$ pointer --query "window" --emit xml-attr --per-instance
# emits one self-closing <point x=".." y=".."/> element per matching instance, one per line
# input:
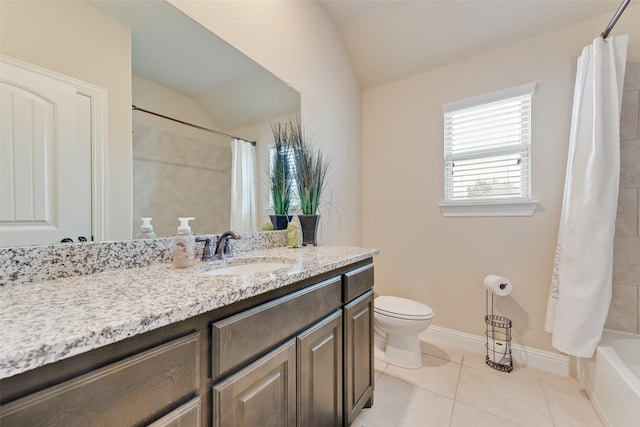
<point x="487" y="143"/>
<point x="295" y="197"/>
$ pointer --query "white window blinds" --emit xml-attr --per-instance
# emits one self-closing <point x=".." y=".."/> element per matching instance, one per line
<point x="295" y="197"/>
<point x="487" y="147"/>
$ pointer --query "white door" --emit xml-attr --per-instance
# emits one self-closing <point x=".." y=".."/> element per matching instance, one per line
<point x="45" y="159"/>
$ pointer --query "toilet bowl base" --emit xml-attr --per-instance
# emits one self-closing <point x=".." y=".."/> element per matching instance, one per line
<point x="403" y="351"/>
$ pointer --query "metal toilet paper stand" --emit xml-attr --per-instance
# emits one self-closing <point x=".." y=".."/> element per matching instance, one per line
<point x="498" y="337"/>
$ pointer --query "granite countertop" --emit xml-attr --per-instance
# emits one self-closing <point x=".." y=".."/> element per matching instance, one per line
<point x="47" y="321"/>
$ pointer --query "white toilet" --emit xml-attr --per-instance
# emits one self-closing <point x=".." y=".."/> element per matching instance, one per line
<point x="398" y="321"/>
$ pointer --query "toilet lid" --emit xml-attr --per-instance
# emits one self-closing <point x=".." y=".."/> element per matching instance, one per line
<point x="402" y="308"/>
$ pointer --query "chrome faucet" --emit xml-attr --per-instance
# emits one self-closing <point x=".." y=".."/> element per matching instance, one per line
<point x="223" y="248"/>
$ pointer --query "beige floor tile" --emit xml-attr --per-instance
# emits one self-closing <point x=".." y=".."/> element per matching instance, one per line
<point x="398" y="404"/>
<point x="568" y="410"/>
<point x="361" y="422"/>
<point x="484" y="396"/>
<point x="518" y="401"/>
<point x="436" y="375"/>
<point x="570" y="406"/>
<point x="378" y="366"/>
<point x="560" y="384"/>
<point x="442" y="351"/>
<point x="376" y="376"/>
<point x="520" y="373"/>
<point x="466" y="416"/>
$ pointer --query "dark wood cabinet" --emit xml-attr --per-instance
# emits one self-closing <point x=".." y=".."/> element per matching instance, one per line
<point x="297" y="384"/>
<point x="188" y="415"/>
<point x="262" y="394"/>
<point x="313" y="379"/>
<point x="125" y="393"/>
<point x="238" y="338"/>
<point x="297" y="356"/>
<point x="320" y="374"/>
<point x="358" y="355"/>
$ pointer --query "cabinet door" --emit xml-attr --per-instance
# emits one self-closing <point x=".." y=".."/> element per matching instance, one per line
<point x="320" y="374"/>
<point x="188" y="415"/>
<point x="262" y="394"/>
<point x="358" y="357"/>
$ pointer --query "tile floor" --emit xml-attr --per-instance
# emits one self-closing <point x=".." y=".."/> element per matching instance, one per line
<point x="455" y="388"/>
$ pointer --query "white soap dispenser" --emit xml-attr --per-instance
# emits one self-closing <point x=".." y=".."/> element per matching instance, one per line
<point x="184" y="245"/>
<point x="146" y="229"/>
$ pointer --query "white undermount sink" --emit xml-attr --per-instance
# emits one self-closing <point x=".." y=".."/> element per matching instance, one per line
<point x="250" y="268"/>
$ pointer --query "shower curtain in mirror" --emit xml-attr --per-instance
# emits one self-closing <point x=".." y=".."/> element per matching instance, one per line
<point x="244" y="218"/>
<point x="582" y="273"/>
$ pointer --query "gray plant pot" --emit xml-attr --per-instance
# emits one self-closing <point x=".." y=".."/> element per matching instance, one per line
<point x="309" y="225"/>
<point x="280" y="222"/>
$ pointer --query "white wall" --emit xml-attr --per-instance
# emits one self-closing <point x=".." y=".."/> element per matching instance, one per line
<point x="441" y="261"/>
<point x="74" y="39"/>
<point x="160" y="99"/>
<point x="298" y="43"/>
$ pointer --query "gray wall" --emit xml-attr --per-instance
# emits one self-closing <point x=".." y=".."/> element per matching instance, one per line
<point x="624" y="313"/>
<point x="176" y="176"/>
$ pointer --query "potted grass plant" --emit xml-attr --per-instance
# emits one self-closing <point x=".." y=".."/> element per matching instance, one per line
<point x="311" y="171"/>
<point x="280" y="177"/>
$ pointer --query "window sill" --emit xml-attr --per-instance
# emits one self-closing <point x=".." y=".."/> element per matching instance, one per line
<point x="489" y="208"/>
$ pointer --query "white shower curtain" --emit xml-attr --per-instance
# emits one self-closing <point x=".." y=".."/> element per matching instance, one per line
<point x="582" y="272"/>
<point x="244" y="217"/>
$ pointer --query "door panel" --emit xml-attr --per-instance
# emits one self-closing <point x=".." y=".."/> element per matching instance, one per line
<point x="27" y="156"/>
<point x="45" y="159"/>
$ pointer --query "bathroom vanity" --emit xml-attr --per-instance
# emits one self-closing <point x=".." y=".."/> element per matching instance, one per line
<point x="293" y="346"/>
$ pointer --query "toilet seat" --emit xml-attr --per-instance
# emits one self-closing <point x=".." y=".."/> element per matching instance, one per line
<point x="402" y="308"/>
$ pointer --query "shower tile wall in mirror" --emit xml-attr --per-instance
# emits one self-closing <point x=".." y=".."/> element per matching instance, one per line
<point x="177" y="176"/>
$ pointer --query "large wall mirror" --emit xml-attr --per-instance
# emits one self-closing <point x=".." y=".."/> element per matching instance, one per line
<point x="178" y="69"/>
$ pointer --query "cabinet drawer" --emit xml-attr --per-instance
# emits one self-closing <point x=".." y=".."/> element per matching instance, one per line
<point x="188" y="415"/>
<point x="121" y="394"/>
<point x="357" y="282"/>
<point x="247" y="334"/>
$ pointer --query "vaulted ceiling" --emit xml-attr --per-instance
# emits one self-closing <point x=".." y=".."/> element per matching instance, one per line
<point x="385" y="39"/>
<point x="171" y="49"/>
<point x="392" y="39"/>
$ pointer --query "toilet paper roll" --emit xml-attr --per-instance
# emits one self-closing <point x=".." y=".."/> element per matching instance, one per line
<point x="496" y="350"/>
<point x="500" y="286"/>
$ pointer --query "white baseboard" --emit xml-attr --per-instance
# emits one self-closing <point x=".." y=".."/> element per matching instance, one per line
<point x="524" y="356"/>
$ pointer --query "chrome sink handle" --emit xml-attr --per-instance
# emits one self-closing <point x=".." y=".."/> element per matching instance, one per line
<point x="223" y="247"/>
<point x="207" y="251"/>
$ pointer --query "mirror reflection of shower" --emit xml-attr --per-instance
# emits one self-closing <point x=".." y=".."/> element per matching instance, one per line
<point x="178" y="171"/>
<point x="132" y="46"/>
